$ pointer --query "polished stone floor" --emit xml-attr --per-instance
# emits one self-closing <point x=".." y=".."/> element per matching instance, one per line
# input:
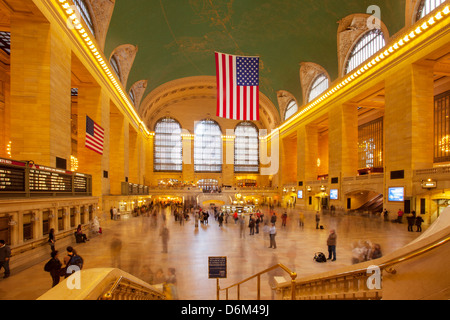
<point x="134" y="245"/>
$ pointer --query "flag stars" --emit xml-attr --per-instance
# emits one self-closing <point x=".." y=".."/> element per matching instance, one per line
<point x="247" y="71"/>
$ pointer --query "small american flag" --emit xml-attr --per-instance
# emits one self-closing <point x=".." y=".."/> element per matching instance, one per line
<point x="237" y="87"/>
<point x="94" y="136"/>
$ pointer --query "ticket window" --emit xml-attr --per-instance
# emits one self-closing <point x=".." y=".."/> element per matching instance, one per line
<point x="27" y="227"/>
<point x="60" y="220"/>
<point x="72" y="217"/>
<point x="4" y="230"/>
<point x="45" y="222"/>
<point x="82" y="215"/>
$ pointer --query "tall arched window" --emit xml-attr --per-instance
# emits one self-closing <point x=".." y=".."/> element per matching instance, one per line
<point x="368" y="45"/>
<point x="319" y="85"/>
<point x="85" y="14"/>
<point x="246" y="148"/>
<point x="207" y="147"/>
<point x="115" y="65"/>
<point x="291" y="109"/>
<point x="426" y="6"/>
<point x="168" y="146"/>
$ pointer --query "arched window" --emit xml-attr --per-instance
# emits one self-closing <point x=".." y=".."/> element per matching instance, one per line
<point x="319" y="85"/>
<point x="426" y="6"/>
<point x="246" y="148"/>
<point x="168" y="146"/>
<point x="368" y="45"/>
<point x="115" y="65"/>
<point x="85" y="14"/>
<point x="207" y="147"/>
<point x="133" y="99"/>
<point x="291" y="109"/>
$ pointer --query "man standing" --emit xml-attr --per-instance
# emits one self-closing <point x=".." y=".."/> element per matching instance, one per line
<point x="5" y="255"/>
<point x="331" y="243"/>
<point x="272" y="234"/>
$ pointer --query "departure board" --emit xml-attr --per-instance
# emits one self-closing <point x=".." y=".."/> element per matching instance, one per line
<point x="50" y="179"/>
<point x="14" y="176"/>
<point x="80" y="183"/>
<point x="12" y="179"/>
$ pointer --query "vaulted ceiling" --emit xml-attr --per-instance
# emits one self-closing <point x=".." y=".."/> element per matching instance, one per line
<point x="177" y="39"/>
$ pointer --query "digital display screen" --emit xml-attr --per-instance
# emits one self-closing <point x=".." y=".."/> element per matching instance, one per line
<point x="334" y="195"/>
<point x="396" y="194"/>
<point x="300" y="194"/>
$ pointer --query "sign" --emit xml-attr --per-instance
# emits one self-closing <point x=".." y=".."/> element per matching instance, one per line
<point x="217" y="267"/>
<point x="396" y="194"/>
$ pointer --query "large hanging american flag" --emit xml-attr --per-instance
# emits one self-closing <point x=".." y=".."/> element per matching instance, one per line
<point x="237" y="87"/>
<point x="94" y="136"/>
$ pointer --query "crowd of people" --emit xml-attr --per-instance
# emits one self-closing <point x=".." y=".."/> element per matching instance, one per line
<point x="250" y="224"/>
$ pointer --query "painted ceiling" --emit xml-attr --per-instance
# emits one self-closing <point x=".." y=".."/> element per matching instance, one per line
<point x="178" y="38"/>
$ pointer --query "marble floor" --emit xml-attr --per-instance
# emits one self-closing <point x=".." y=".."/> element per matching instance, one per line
<point x="189" y="248"/>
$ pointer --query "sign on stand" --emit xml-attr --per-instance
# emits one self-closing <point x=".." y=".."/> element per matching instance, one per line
<point x="217" y="269"/>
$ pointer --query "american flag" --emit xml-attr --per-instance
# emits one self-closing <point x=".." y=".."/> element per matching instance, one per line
<point x="237" y="87"/>
<point x="94" y="136"/>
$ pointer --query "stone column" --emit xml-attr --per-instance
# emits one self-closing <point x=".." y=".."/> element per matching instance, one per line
<point x="408" y="125"/>
<point x="40" y="92"/>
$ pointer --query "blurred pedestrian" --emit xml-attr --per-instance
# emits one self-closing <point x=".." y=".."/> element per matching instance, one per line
<point x="5" y="256"/>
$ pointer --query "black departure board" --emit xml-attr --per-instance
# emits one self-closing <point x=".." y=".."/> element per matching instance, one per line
<point x="12" y="179"/>
<point x="15" y="174"/>
<point x="12" y="175"/>
<point x="49" y="179"/>
<point x="80" y="183"/>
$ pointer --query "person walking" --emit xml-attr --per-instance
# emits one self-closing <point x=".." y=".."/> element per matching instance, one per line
<point x="419" y="222"/>
<point x="251" y="225"/>
<point x="73" y="262"/>
<point x="411" y="218"/>
<point x="317" y="219"/>
<point x="284" y="219"/>
<point x="331" y="243"/>
<point x="164" y="233"/>
<point x="52" y="239"/>
<point x="54" y="267"/>
<point x="272" y="234"/>
<point x="5" y="256"/>
<point x="301" y="219"/>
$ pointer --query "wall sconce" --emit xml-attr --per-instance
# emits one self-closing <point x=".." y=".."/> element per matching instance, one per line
<point x="308" y="188"/>
<point x="322" y="188"/>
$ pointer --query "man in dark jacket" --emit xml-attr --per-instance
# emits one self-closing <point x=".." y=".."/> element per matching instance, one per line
<point x="331" y="243"/>
<point x="5" y="256"/>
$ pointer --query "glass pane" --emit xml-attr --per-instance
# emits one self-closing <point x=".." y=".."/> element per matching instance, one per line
<point x="168" y="146"/>
<point x="246" y="148"/>
<point x="208" y="147"/>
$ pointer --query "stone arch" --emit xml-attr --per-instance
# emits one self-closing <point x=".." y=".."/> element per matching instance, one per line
<point x="125" y="55"/>
<point x="101" y="14"/>
<point x="350" y="30"/>
<point x="197" y="88"/>
<point x="308" y="73"/>
<point x="284" y="98"/>
<point x="138" y="89"/>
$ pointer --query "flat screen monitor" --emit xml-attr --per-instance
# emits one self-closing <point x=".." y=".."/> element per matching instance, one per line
<point x="300" y="194"/>
<point x="334" y="195"/>
<point x="396" y="194"/>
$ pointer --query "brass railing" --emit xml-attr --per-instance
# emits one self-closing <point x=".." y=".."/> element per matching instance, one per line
<point x="292" y="274"/>
<point x="126" y="289"/>
<point x="351" y="284"/>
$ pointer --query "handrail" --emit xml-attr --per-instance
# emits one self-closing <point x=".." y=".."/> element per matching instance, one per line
<point x="292" y="274"/>
<point x="387" y="266"/>
<point x="130" y="287"/>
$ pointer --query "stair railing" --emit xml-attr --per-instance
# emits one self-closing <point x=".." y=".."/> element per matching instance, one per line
<point x="292" y="274"/>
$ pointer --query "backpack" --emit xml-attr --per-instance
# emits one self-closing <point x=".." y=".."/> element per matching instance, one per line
<point x="76" y="260"/>
<point x="320" y="257"/>
<point x="49" y="265"/>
